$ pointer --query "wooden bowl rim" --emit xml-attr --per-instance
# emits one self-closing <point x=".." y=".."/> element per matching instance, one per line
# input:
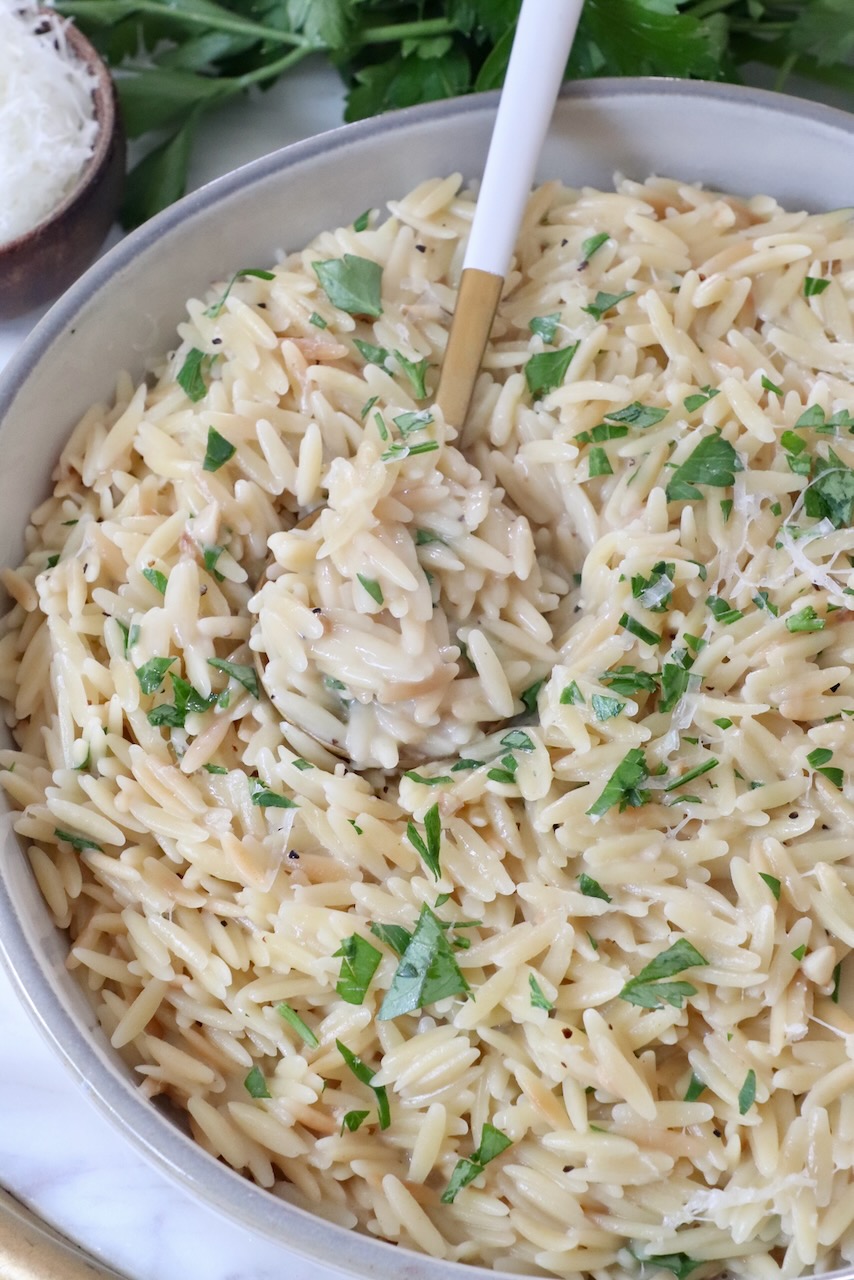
<point x="106" y="116"/>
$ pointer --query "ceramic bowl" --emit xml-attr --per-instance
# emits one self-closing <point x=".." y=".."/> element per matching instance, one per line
<point x="124" y="311"/>
<point x="39" y="265"/>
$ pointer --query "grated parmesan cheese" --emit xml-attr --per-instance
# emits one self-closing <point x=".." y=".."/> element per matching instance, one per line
<point x="47" y="117"/>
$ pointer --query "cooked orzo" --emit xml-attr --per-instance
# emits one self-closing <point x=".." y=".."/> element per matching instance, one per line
<point x="551" y="972"/>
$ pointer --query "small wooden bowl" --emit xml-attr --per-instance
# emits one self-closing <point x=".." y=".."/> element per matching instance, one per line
<point x="42" y="263"/>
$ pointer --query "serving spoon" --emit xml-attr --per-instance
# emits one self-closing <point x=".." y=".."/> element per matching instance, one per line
<point x="538" y="58"/>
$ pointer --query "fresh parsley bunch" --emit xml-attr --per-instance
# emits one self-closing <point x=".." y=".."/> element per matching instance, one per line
<point x="182" y="58"/>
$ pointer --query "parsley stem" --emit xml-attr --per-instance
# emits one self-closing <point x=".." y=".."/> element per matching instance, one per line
<point x="270" y="70"/>
<point x="407" y="31"/>
<point x="210" y="20"/>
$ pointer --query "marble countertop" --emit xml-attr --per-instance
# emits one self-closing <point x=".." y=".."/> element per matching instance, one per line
<point x="57" y="1153"/>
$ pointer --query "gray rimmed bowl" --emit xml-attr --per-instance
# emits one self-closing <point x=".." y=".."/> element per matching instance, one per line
<point x="124" y="311"/>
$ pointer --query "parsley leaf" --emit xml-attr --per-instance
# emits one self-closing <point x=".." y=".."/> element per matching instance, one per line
<point x="592" y="888"/>
<point x="697" y="401"/>
<point x="157" y="579"/>
<point x="590" y="245"/>
<point x="151" y="674"/>
<point x="352" y="284"/>
<point x="517" y="740"/>
<point x="545" y="326"/>
<point x="805" y="620"/>
<point x="435" y="781"/>
<point x="76" y="842"/>
<point x="215" y="310"/>
<point x="772" y="882"/>
<point x="238" y="671"/>
<point x="408" y="422"/>
<point x="762" y="602"/>
<point x="679" y="1263"/>
<point x="636" y="628"/>
<point x="713" y="462"/>
<point x="353" y="1120"/>
<point x="814" y="285"/>
<point x="294" y="1020"/>
<point x="372" y="587"/>
<point x="210" y="555"/>
<point x="697" y="772"/>
<point x="429" y="852"/>
<point x="771" y="386"/>
<point x="218" y="451"/>
<point x="427" y="971"/>
<point x="695" y="1088"/>
<point x="622" y="788"/>
<point x="263" y="798"/>
<point x="747" y="1093"/>
<point x="605" y="708"/>
<point x="538" y="999"/>
<point x="189" y="376"/>
<point x="256" y="1085"/>
<point x="637" y="415"/>
<point x="629" y="681"/>
<point x="416" y="372"/>
<point x="722" y="611"/>
<point x="831" y="494"/>
<point x="647" y="989"/>
<point x="528" y="697"/>
<point x="598" y="463"/>
<point x="492" y="1143"/>
<point x="650" y="591"/>
<point x="359" y="963"/>
<point x="675" y="679"/>
<point x="393" y="935"/>
<point x="372" y="354"/>
<point x="547" y="369"/>
<point x="604" y="302"/>
<point x="365" y="1075"/>
<point x="572" y="695"/>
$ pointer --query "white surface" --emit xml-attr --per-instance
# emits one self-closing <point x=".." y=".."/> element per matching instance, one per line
<point x="538" y="59"/>
<point x="57" y="1153"/>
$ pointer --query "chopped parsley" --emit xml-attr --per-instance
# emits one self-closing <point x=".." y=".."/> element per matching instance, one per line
<point x="768" y="385"/>
<point x="359" y="963"/>
<point x="545" y="326"/>
<point x="636" y="628"/>
<point x="598" y="463"/>
<point x="218" y="451"/>
<point x="726" y="509"/>
<point x="210" y="556"/>
<point x="317" y="320"/>
<point x="723" y="723"/>
<point x="372" y="354"/>
<point x="831" y="494"/>
<point x="547" y="369"/>
<point x="187" y="699"/>
<point x="650" y="592"/>
<point x="762" y="602"/>
<point x="592" y="888"/>
<point x="538" y="999"/>
<point x="800" y="952"/>
<point x="679" y="1263"/>
<point x="772" y="882"/>
<point x="676" y="678"/>
<point x="464" y="764"/>
<point x="424" y="537"/>
<point x="818" y="759"/>
<point x="352" y="284"/>
<point x="77" y="842"/>
<point x="602" y="431"/>
<point x="156" y="578"/>
<point x="528" y="697"/>
<point x="605" y="708"/>
<point x="301" y="764"/>
<point x="697" y="772"/>
<point x="393" y="935"/>
<point x="372" y="587"/>
<point x="507" y="773"/>
<point x="427" y="971"/>
<point x="238" y="671"/>
<point x="623" y="787"/>
<point x="571" y="695"/>
<point x="492" y="1143"/>
<point x="263" y="798"/>
<point x="629" y="681"/>
<point x="427" y="782"/>
<point x="814" y="285"/>
<point x="416" y="372"/>
<point x="590" y="245"/>
<point x="152" y="673"/>
<point x="604" y="302"/>
<point x="805" y="620"/>
<point x="255" y="1084"/>
<point x="837" y="976"/>
<point x="429" y="851"/>
<point x="638" y="415"/>
<point x="417" y="421"/>
<point x="215" y="309"/>
<point x="703" y="396"/>
<point x="365" y="1075"/>
<point x="714" y="462"/>
<point x="695" y="1088"/>
<point x="361" y="223"/>
<point x="190" y="377"/>
<point x="722" y="611"/>
<point x="747" y="1093"/>
<point x="517" y="740"/>
<point x="353" y="1120"/>
<point x="301" y="1028"/>
<point x="650" y="992"/>
<point x="214" y="768"/>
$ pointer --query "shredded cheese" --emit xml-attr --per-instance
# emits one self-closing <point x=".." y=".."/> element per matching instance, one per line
<point x="47" y="117"/>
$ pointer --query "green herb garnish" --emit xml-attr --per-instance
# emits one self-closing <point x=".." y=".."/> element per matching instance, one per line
<point x="416" y="372"/>
<point x="394" y="935"/>
<point x="76" y="842"/>
<point x="538" y="999"/>
<point x="492" y="1143"/>
<point x="592" y="888"/>
<point x="238" y="671"/>
<point x="190" y="377"/>
<point x="650" y="992"/>
<point x="372" y="587"/>
<point x="814" y="285"/>
<point x="294" y="1020"/>
<point x="429" y="851"/>
<point x="352" y="284"/>
<point x="603" y="302"/>
<point x="256" y="1085"/>
<point x="571" y="695"/>
<point x="747" y="1093"/>
<point x="638" y="415"/>
<point x="590" y="245"/>
<point x="156" y="578"/>
<point x="623" y="787"/>
<point x="547" y="369"/>
<point x="714" y="462"/>
<point x="545" y="326"/>
<point x="598" y="464"/>
<point x="722" y="611"/>
<point x="636" y="628"/>
<point x="151" y="674"/>
<point x="263" y="798"/>
<point x="365" y="1075"/>
<point x="697" y="772"/>
<point x="648" y="590"/>
<point x="695" y="1088"/>
<point x="604" y="708"/>
<point x="705" y="394"/>
<point x="629" y="681"/>
<point x="427" y="971"/>
<point x="805" y="620"/>
<point x="218" y="451"/>
<point x="215" y="310"/>
<point x="359" y="963"/>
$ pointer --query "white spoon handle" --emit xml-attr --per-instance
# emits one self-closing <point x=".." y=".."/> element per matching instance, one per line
<point x="538" y="60"/>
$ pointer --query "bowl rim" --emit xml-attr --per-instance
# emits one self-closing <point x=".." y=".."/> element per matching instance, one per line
<point x="106" y="116"/>
<point x="215" y="1185"/>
